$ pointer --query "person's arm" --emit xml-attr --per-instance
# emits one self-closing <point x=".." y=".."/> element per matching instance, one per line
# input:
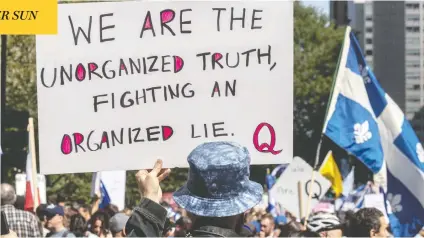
<point x="148" y="218"/>
<point x="96" y="203"/>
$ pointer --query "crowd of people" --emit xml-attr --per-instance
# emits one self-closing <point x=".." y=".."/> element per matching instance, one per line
<point x="218" y="200"/>
<point x="59" y="219"/>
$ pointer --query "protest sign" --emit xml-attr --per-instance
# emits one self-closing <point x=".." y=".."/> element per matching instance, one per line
<point x="20" y="186"/>
<point x="286" y="191"/>
<point x="115" y="183"/>
<point x="123" y="83"/>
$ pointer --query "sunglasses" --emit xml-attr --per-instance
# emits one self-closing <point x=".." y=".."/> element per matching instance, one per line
<point x="50" y="216"/>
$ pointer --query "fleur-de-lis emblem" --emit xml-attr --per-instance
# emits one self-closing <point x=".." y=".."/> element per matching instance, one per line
<point x="395" y="202"/>
<point x="364" y="73"/>
<point x="361" y="132"/>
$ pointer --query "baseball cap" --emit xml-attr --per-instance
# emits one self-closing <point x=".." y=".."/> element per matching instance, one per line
<point x="53" y="210"/>
<point x="118" y="222"/>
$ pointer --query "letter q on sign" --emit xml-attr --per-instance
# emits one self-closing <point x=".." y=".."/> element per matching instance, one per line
<point x="265" y="147"/>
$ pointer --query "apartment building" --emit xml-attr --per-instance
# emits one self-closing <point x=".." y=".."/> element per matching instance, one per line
<point x="391" y="34"/>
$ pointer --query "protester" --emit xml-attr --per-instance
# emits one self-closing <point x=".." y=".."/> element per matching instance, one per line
<point x="252" y="219"/>
<point x="99" y="224"/>
<point x="289" y="228"/>
<point x="326" y="224"/>
<point x="78" y="227"/>
<point x="267" y="226"/>
<point x="84" y="211"/>
<point x="368" y="222"/>
<point x="23" y="223"/>
<point x="69" y="212"/>
<point x="55" y="222"/>
<point x="117" y="224"/>
<point x="111" y="210"/>
<point x="61" y="200"/>
<point x="215" y="202"/>
<point x="41" y="213"/>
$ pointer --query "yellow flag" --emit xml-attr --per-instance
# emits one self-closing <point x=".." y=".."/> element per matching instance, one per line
<point x="330" y="171"/>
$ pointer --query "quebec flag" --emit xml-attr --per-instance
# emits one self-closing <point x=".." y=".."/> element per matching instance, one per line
<point x="366" y="122"/>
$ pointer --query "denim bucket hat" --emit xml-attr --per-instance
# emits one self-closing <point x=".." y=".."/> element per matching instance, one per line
<point x="218" y="184"/>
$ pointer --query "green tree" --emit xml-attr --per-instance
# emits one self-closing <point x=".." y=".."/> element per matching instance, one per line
<point x="317" y="45"/>
<point x="21" y="99"/>
<point x="21" y="92"/>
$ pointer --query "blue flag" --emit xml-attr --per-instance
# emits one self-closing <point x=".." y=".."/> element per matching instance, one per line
<point x="105" y="196"/>
<point x="367" y="123"/>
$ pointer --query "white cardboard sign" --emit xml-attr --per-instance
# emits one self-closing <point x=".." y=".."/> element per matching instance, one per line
<point x="115" y="183"/>
<point x="123" y="83"/>
<point x="285" y="190"/>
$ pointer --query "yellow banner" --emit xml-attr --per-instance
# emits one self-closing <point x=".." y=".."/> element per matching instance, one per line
<point x="28" y="17"/>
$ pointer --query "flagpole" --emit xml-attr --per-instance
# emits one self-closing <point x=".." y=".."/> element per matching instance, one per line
<point x="348" y="30"/>
<point x="308" y="203"/>
<point x="336" y="74"/>
<point x="34" y="161"/>
<point x="300" y="198"/>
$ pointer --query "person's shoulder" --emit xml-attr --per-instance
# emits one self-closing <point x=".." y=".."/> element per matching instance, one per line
<point x="27" y="214"/>
<point x="9" y="208"/>
<point x="90" y="235"/>
<point x="70" y="234"/>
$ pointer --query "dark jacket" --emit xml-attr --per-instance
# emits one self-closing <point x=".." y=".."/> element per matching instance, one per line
<point x="148" y="220"/>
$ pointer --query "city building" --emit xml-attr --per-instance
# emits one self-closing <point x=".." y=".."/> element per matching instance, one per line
<point x="391" y="34"/>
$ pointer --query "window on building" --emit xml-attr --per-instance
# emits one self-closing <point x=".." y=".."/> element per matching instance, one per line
<point x="368" y="41"/>
<point x="415" y="77"/>
<point x="412" y="73"/>
<point x="412" y="40"/>
<point x="368" y="52"/>
<point x="412" y="29"/>
<point x="412" y="100"/>
<point x="413" y="64"/>
<point x="412" y="5"/>
<point x="414" y="18"/>
<point x="368" y="18"/>
<point x="416" y="86"/>
<point x="369" y="30"/>
<point x="412" y="52"/>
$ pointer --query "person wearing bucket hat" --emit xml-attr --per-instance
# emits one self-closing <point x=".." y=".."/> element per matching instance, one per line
<point x="216" y="195"/>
